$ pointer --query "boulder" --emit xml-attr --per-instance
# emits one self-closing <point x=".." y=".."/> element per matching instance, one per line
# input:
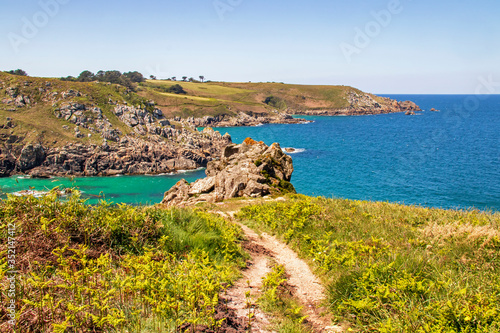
<point x="250" y="169"/>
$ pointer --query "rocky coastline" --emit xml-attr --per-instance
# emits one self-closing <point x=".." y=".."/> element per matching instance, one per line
<point x="131" y="156"/>
<point x="96" y="132"/>
<point x="362" y="104"/>
<point x="243" y="119"/>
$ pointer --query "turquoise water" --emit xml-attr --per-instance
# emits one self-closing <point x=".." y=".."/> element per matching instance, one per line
<point x="448" y="159"/>
<point x="122" y="189"/>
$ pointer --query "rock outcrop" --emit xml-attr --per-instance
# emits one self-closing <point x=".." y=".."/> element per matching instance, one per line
<point x="251" y="169"/>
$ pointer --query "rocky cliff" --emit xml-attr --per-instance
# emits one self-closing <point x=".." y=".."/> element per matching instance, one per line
<point x="251" y="169"/>
<point x="54" y="131"/>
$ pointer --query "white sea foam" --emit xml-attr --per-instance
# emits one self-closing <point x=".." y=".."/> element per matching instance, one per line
<point x="36" y="194"/>
<point x="295" y="150"/>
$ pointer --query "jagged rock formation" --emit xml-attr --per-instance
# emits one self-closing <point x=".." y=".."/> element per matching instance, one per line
<point x="251" y="169"/>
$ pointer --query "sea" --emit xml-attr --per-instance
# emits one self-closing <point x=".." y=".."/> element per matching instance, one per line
<point x="448" y="158"/>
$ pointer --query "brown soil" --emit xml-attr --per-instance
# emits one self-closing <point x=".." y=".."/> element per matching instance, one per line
<point x="231" y="324"/>
<point x="302" y="283"/>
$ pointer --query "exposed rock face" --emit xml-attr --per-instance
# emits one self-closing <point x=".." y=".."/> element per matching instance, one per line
<point x="251" y="169"/>
<point x="131" y="156"/>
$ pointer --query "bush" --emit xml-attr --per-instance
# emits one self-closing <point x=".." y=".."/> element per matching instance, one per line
<point x="275" y="102"/>
<point x="176" y="89"/>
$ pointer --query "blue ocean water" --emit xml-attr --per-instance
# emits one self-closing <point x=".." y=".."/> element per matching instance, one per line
<point x="448" y="159"/>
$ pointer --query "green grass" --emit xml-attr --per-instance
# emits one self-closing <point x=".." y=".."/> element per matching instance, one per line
<point x="395" y="268"/>
<point x="114" y="268"/>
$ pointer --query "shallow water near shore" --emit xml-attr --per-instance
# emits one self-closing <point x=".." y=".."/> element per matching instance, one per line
<point x="136" y="190"/>
<point x="448" y="159"/>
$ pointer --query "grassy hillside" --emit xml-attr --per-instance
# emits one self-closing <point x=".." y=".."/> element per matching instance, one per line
<point x="30" y="102"/>
<point x="214" y="98"/>
<point x="36" y="121"/>
<point x="394" y="268"/>
<point x="387" y="267"/>
<point x="113" y="269"/>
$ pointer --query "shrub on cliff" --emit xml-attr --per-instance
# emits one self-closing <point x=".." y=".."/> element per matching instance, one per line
<point x="275" y="102"/>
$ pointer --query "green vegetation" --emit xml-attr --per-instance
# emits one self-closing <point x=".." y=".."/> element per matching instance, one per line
<point x="277" y="300"/>
<point x="175" y="89"/>
<point x="19" y="72"/>
<point x="126" y="79"/>
<point x="115" y="269"/>
<point x="36" y="122"/>
<point x="394" y="268"/>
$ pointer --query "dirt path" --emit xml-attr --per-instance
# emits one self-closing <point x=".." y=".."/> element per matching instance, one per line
<point x="307" y="287"/>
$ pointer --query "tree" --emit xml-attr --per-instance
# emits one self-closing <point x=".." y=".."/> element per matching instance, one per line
<point x="202" y="78"/>
<point x="86" y="76"/>
<point x="112" y="76"/>
<point x="19" y="72"/>
<point x="100" y="76"/>
<point x="191" y="79"/>
<point x="174" y="78"/>
<point x="152" y="77"/>
<point x="184" y="78"/>
<point x="134" y="76"/>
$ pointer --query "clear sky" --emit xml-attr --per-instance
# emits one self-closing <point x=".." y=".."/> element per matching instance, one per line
<point x="379" y="46"/>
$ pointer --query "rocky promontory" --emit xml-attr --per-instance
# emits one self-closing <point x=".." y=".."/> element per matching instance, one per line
<point x="250" y="169"/>
<point x="360" y="104"/>
<point x="243" y="119"/>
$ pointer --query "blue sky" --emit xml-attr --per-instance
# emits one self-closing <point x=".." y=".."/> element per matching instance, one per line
<point x="413" y="47"/>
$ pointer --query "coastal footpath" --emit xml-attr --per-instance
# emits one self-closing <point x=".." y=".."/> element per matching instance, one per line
<point x="51" y="127"/>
